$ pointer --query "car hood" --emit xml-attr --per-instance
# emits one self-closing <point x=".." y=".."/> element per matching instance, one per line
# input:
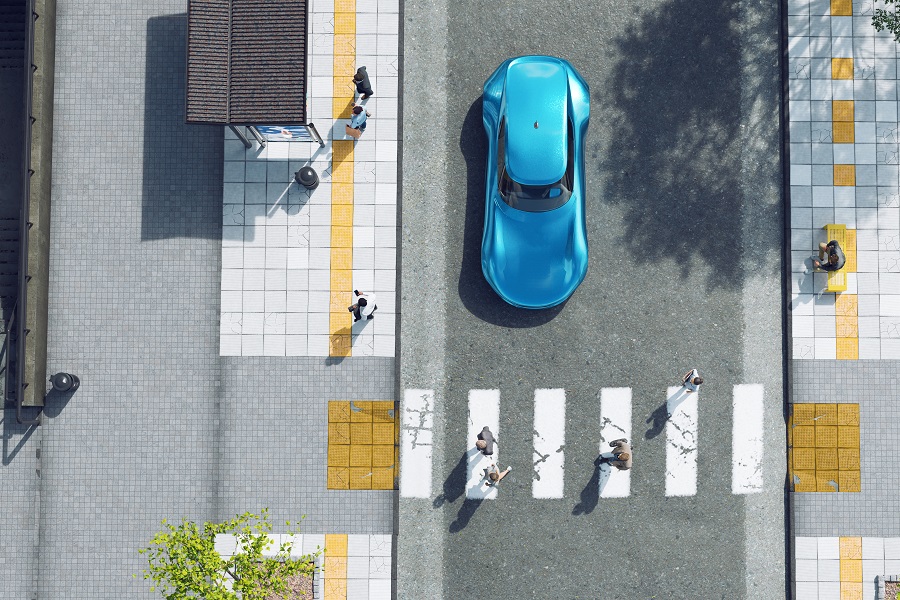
<point x="534" y="259"/>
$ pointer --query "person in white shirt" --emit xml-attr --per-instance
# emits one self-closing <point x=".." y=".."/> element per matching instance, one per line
<point x="365" y="306"/>
<point x="692" y="381"/>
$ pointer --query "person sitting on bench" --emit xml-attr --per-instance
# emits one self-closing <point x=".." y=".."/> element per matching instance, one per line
<point x="836" y="258"/>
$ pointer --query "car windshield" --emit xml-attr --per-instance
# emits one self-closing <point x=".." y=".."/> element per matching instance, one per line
<point x="534" y="198"/>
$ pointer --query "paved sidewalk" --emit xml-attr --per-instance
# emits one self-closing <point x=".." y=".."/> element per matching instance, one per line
<point x="843" y="134"/>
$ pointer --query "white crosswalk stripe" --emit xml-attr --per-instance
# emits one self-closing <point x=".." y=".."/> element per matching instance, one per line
<point x="484" y="410"/>
<point x="549" y="440"/>
<point x="416" y="443"/>
<point x="681" y="442"/>
<point x="615" y="423"/>
<point x="747" y="439"/>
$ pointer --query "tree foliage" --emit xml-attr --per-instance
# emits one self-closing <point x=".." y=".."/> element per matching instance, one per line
<point x="888" y="18"/>
<point x="184" y="563"/>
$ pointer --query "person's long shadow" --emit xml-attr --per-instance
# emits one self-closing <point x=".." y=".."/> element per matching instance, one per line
<point x="590" y="495"/>
<point x="455" y="483"/>
<point x="468" y="508"/>
<point x="657" y="421"/>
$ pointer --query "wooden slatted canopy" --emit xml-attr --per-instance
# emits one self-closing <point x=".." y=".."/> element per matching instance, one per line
<point x="246" y="62"/>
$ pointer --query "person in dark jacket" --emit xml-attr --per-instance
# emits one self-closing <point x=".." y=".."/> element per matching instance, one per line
<point x="836" y="258"/>
<point x="485" y="442"/>
<point x="363" y="86"/>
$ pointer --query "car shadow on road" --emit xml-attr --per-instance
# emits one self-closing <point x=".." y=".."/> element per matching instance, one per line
<point x="476" y="294"/>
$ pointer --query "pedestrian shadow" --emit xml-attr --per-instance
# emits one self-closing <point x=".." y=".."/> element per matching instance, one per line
<point x="657" y="421"/>
<point x="455" y="484"/>
<point x="590" y="495"/>
<point x="468" y="508"/>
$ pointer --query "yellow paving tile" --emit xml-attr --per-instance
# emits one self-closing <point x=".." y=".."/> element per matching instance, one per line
<point x="842" y="110"/>
<point x="360" y="478"/>
<point x="343" y="88"/>
<point x="340" y="109"/>
<point x="342" y="150"/>
<point x="804" y="459"/>
<point x="362" y="412"/>
<point x="826" y="414"/>
<point x="341" y="258"/>
<point x="804" y="437"/>
<point x="847" y="348"/>
<point x="338" y="478"/>
<point x="342" y="172"/>
<point x="338" y="455"/>
<point x="344" y="44"/>
<point x="848" y="414"/>
<point x="335" y="566"/>
<point x="846" y="327"/>
<point x="844" y="175"/>
<point x="846" y="305"/>
<point x="826" y="436"/>
<point x="851" y="570"/>
<point x="842" y="132"/>
<point x="341" y="237"/>
<point x="848" y="436"/>
<point x="805" y="481"/>
<point x="803" y="413"/>
<point x="851" y="591"/>
<point x="335" y="589"/>
<point x="841" y="68"/>
<point x="344" y="66"/>
<point x="382" y="455"/>
<point x="342" y="280"/>
<point x="839" y="8"/>
<point x="849" y="481"/>
<point x="341" y="193"/>
<point x="342" y="214"/>
<point x="383" y="479"/>
<point x="383" y="433"/>
<point x="339" y="411"/>
<point x="824" y="480"/>
<point x="360" y="455"/>
<point x="340" y="322"/>
<point x="345" y="6"/>
<point x="383" y="411"/>
<point x="338" y="433"/>
<point x="850" y="548"/>
<point x="848" y="459"/>
<point x="340" y="344"/>
<point x="336" y="545"/>
<point x="345" y="22"/>
<point x="360" y="433"/>
<point x="341" y="300"/>
<point x="826" y="459"/>
<point x="850" y="253"/>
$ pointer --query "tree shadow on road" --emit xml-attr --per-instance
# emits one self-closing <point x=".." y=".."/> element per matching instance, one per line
<point x="476" y="294"/>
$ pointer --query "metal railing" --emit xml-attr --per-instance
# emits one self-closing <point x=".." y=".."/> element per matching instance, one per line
<point x="18" y="318"/>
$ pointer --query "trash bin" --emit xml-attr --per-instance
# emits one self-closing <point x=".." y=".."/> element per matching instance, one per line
<point x="307" y="177"/>
<point x="64" y="382"/>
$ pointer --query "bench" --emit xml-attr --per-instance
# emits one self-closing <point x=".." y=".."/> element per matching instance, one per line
<point x="837" y="280"/>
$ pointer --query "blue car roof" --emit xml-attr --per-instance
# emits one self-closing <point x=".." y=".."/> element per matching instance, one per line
<point x="537" y="90"/>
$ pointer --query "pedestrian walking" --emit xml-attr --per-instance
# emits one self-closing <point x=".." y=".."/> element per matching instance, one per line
<point x="358" y="121"/>
<point x="692" y="381"/>
<point x="494" y="475"/>
<point x="836" y="258"/>
<point x="365" y="306"/>
<point x="361" y="79"/>
<point x="621" y="455"/>
<point x="485" y="441"/>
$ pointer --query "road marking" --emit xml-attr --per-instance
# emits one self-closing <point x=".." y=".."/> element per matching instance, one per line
<point x="747" y="439"/>
<point x="484" y="410"/>
<point x="681" y="442"/>
<point x="615" y="423"/>
<point x="549" y="441"/>
<point x="416" y="443"/>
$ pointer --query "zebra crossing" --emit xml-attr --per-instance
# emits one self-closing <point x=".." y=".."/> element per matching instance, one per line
<point x="615" y="421"/>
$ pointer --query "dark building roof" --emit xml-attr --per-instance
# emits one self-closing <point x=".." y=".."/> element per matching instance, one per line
<point x="246" y="62"/>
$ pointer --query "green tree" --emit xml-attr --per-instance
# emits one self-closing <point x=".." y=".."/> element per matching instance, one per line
<point x="184" y="564"/>
<point x="888" y="18"/>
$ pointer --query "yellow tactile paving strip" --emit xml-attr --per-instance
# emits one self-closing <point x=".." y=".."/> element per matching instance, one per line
<point x="335" y="567"/>
<point x="851" y="568"/>
<point x="841" y="8"/>
<point x="846" y="308"/>
<point x="344" y="65"/>
<point x="363" y="445"/>
<point x="842" y="68"/>
<point x="823" y="447"/>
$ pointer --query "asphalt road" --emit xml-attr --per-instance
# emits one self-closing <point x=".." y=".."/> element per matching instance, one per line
<point x="684" y="181"/>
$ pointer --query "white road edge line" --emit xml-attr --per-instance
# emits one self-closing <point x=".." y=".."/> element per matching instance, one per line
<point x="484" y="409"/>
<point x="416" y="443"/>
<point x="681" y="442"/>
<point x="615" y="423"/>
<point x="747" y="439"/>
<point x="549" y="441"/>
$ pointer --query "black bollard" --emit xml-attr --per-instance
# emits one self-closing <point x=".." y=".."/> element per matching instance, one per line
<point x="64" y="382"/>
<point x="307" y="177"/>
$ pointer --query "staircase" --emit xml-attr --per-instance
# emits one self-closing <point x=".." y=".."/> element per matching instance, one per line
<point x="12" y="33"/>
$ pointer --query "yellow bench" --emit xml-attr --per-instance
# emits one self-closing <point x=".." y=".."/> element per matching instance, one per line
<point x="837" y="280"/>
